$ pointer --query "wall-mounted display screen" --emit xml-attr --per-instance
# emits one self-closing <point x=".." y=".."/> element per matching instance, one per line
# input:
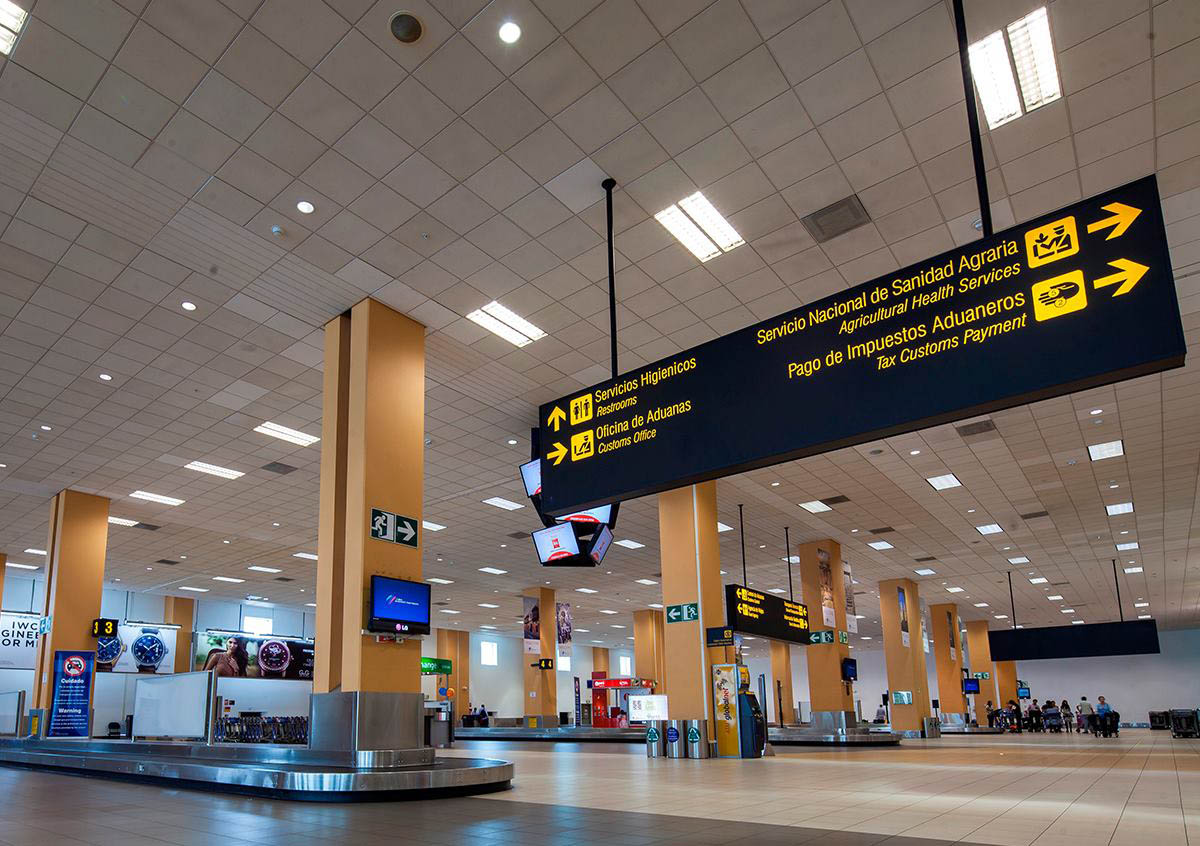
<point x="593" y="516"/>
<point x="849" y="669"/>
<point x="399" y="606"/>
<point x="531" y="475"/>
<point x="970" y="686"/>
<point x="556" y="543"/>
<point x="601" y="544"/>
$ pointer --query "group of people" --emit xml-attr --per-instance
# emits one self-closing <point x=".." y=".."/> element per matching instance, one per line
<point x="1099" y="719"/>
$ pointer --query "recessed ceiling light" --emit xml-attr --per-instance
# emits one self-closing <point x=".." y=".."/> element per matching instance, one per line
<point x="615" y="626"/>
<point x="433" y="527"/>
<point x="193" y="589"/>
<point x="305" y="207"/>
<point x="1066" y="610"/>
<point x="507" y="324"/>
<point x="435" y="580"/>
<point x="791" y="559"/>
<point x="943" y="482"/>
<point x="981" y="605"/>
<point x="1038" y="580"/>
<point x="1125" y="547"/>
<point x="954" y="590"/>
<point x="994" y="81"/>
<point x="314" y="605"/>
<point x="501" y="502"/>
<point x="122" y="521"/>
<point x="1055" y="598"/>
<point x="774" y="484"/>
<point x="509" y="32"/>
<point x="1096" y="411"/>
<point x="213" y="470"/>
<point x="35" y="551"/>
<point x="159" y="498"/>
<point x="105" y="377"/>
<point x="776" y="590"/>
<point x="512" y="441"/>
<point x="12" y="18"/>
<point x="989" y="529"/>
<point x="1119" y="508"/>
<point x="187" y="305"/>
<point x="260" y="569"/>
<point x="687" y="233"/>
<point x="814" y="506"/>
<point x="584" y="590"/>
<point x="925" y="571"/>
<point x="44" y="428"/>
<point x="605" y="611"/>
<point x="1020" y="559"/>
<point x="226" y="541"/>
<point x="721" y="527"/>
<point x="1141" y="605"/>
<point x="17" y="566"/>
<point x="1145" y="616"/>
<point x="495" y="571"/>
<point x="228" y="579"/>
<point x="880" y="545"/>
<point x="914" y="452"/>
<point x="1108" y="449"/>
<point x="292" y="436"/>
<point x="276" y="525"/>
<point x="629" y="543"/>
<point x="655" y="605"/>
<point x="866" y="637"/>
<point x="1133" y="569"/>
<point x="449" y="611"/>
<point x="1077" y="622"/>
<point x="1033" y="55"/>
<point x="646" y="581"/>
<point x="308" y="556"/>
<point x="1000" y="616"/>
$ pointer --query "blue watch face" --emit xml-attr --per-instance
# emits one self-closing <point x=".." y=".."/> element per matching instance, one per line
<point x="108" y="649"/>
<point x="149" y="650"/>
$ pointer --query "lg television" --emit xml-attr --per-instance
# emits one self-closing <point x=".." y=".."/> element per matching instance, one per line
<point x="591" y="516"/>
<point x="531" y="475"/>
<point x="399" y="606"/>
<point x="1022" y="693"/>
<point x="556" y="543"/>
<point x="970" y="685"/>
<point x="849" y="669"/>
<point x="601" y="543"/>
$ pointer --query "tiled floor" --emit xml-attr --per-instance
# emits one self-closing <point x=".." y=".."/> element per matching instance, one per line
<point x="1046" y="790"/>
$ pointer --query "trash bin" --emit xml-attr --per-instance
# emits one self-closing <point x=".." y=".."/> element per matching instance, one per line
<point x="654" y="739"/>
<point x="932" y="728"/>
<point x="675" y="738"/>
<point x="696" y="735"/>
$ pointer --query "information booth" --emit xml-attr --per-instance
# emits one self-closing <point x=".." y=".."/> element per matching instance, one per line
<point x="605" y="711"/>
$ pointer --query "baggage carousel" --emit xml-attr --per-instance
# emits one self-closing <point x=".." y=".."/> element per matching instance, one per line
<point x="786" y="736"/>
<point x="278" y="772"/>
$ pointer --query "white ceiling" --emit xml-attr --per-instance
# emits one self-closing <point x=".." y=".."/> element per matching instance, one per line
<point x="148" y="148"/>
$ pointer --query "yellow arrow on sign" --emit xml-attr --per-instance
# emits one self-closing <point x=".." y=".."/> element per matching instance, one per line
<point x="1130" y="273"/>
<point x="556" y="454"/>
<point x="557" y="416"/>
<point x="1123" y="216"/>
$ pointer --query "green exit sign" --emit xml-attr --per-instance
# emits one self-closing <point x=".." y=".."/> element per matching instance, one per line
<point x="684" y="613"/>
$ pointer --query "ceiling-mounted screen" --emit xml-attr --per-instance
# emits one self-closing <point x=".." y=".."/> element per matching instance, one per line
<point x="556" y="543"/>
<point x="601" y="544"/>
<point x="531" y="475"/>
<point x="1094" y="640"/>
<point x="592" y="516"/>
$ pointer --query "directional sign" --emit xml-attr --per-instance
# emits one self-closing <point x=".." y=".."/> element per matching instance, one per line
<point x="718" y="636"/>
<point x="1071" y="300"/>
<point x="755" y="613"/>
<point x="685" y="613"/>
<point x="843" y="637"/>
<point x="545" y="664"/>
<point x="824" y="636"/>
<point x="395" y="528"/>
<point x="981" y="675"/>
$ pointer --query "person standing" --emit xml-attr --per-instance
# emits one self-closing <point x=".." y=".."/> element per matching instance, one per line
<point x="991" y="714"/>
<point x="1068" y="715"/>
<point x="1087" y="715"/>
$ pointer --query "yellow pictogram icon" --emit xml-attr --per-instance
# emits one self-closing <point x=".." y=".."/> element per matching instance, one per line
<point x="557" y="454"/>
<point x="1129" y="274"/>
<point x="583" y="445"/>
<point x="1059" y="295"/>
<point x="1057" y="239"/>
<point x="581" y="409"/>
<point x="1122" y="217"/>
<point x="556" y="418"/>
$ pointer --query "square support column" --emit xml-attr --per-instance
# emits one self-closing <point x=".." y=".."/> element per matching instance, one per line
<point x="900" y="615"/>
<point x="456" y="646"/>
<point x="649" y="651"/>
<point x="781" y="670"/>
<point x="823" y="591"/>
<point x="948" y="658"/>
<point x="541" y="686"/>
<point x="181" y="611"/>
<point x="980" y="650"/>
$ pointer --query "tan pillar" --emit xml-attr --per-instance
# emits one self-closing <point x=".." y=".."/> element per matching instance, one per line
<point x="600" y="659"/>
<point x="821" y="578"/>
<point x="691" y="568"/>
<point x="980" y="650"/>
<point x="456" y="646"/>
<point x="541" y="686"/>
<point x="3" y="571"/>
<point x="781" y="670"/>
<point x="380" y="393"/>
<point x="1006" y="681"/>
<point x="649" y="653"/>
<point x="905" y="660"/>
<point x="181" y="611"/>
<point x="948" y="658"/>
<point x="75" y="549"/>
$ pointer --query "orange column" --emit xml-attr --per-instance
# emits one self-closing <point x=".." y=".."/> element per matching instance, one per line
<point x="181" y="611"/>
<point x="948" y="658"/>
<point x="781" y="669"/>
<point x="1006" y="681"/>
<point x="541" y="686"/>
<point x="822" y="586"/>
<point x="900" y="616"/>
<point x="75" y="551"/>
<point x="456" y="646"/>
<point x="375" y="389"/>
<point x="3" y="570"/>
<point x="980" y="661"/>
<point x="649" y="654"/>
<point x="691" y="568"/>
<point x="600" y="659"/>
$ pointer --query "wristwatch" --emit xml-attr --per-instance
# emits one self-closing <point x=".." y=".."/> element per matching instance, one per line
<point x="108" y="652"/>
<point x="148" y="651"/>
<point x="273" y="658"/>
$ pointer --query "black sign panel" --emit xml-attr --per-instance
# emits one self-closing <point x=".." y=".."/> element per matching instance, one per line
<point x="1074" y="299"/>
<point x="755" y="613"/>
<point x="1092" y="640"/>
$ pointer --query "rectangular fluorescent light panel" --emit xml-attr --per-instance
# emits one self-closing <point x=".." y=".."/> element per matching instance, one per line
<point x="433" y="527"/>
<point x="435" y="580"/>
<point x="721" y="527"/>
<point x="1055" y="598"/>
<point x="307" y="556"/>
<point x="1119" y="508"/>
<point x="193" y="589"/>
<point x="1109" y="449"/>
<point x="981" y="605"/>
<point x="646" y="581"/>
<point x="1125" y="547"/>
<point x="1133" y="569"/>
<point x="1141" y="605"/>
<point x="954" y="590"/>
<point x="32" y="551"/>
<point x="880" y="545"/>
<point x="258" y="569"/>
<point x="285" y="434"/>
<point x="17" y="566"/>
<point x="604" y="611"/>
<point x="775" y="590"/>
<point x="501" y="502"/>
<point x="687" y="233"/>
<point x="584" y="590"/>
<point x="1020" y="559"/>
<point x="449" y="611"/>
<point x="507" y="324"/>
<point x="994" y="81"/>
<point x="493" y="570"/>
<point x="122" y="521"/>
<point x="989" y="529"/>
<point x="814" y="507"/>
<point x="1144" y="616"/>
<point x="488" y="605"/>
<point x="1038" y="580"/>
<point x="944" y="482"/>
<point x="214" y="470"/>
<point x="925" y="571"/>
<point x="1066" y="610"/>
<point x="12" y="18"/>
<point x="714" y="225"/>
<point x="1033" y="54"/>
<point x="1077" y="622"/>
<point x="229" y="579"/>
<point x="630" y="544"/>
<point x="1000" y="616"/>
<point x="159" y="498"/>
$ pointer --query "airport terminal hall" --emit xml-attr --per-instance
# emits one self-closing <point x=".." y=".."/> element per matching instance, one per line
<point x="617" y="422"/>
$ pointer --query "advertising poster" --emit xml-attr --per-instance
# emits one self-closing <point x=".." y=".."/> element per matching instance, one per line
<point x="71" y="702"/>
<point x="952" y="631"/>
<point x="848" y="588"/>
<point x="924" y="626"/>
<point x="18" y="641"/>
<point x="137" y="648"/>
<point x="578" y="705"/>
<point x="254" y="657"/>
<point x="828" y="617"/>
<point x="725" y="710"/>
<point x="563" y="617"/>
<point x="533" y="629"/>
<point x="903" y="602"/>
<point x="962" y="640"/>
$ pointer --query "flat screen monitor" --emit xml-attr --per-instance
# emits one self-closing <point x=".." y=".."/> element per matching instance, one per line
<point x="531" y="475"/>
<point x="593" y="516"/>
<point x="399" y="606"/>
<point x="1022" y="693"/>
<point x="849" y="669"/>
<point x="970" y="685"/>
<point x="556" y="543"/>
<point x="601" y="543"/>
